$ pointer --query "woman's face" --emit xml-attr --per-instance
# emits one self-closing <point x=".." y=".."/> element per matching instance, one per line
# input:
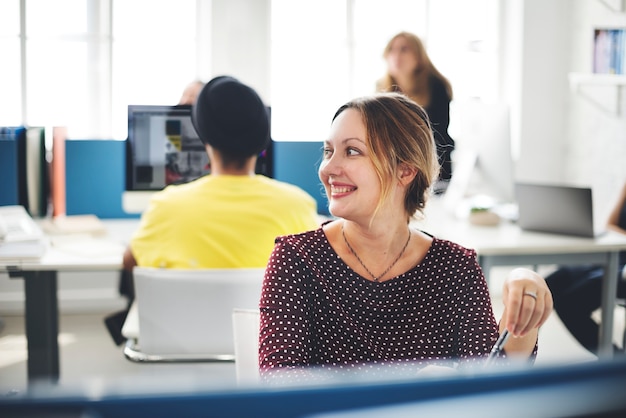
<point x="401" y="60"/>
<point x="346" y="171"/>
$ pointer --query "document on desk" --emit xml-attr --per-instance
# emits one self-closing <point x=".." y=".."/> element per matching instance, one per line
<point x="85" y="245"/>
<point x="21" y="239"/>
<point x="22" y="251"/>
<point x="74" y="224"/>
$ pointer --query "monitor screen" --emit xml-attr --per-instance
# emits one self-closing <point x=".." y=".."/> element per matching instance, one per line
<point x="163" y="148"/>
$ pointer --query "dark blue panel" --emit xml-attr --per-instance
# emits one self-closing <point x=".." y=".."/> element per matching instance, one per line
<point x="8" y="171"/>
<point x="9" y="166"/>
<point x="522" y="386"/>
<point x="95" y="178"/>
<point x="297" y="163"/>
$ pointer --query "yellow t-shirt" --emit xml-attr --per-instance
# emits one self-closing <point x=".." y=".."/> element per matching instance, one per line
<point x="220" y="222"/>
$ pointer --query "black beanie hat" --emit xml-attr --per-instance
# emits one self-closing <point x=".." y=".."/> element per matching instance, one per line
<point x="231" y="117"/>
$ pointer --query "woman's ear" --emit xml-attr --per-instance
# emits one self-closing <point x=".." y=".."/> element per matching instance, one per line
<point x="406" y="174"/>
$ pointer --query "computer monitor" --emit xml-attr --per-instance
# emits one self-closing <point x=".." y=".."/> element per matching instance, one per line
<point x="483" y="165"/>
<point x="163" y="148"/>
<point x="492" y="144"/>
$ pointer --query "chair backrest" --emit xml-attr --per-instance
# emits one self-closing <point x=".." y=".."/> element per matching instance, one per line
<point x="246" y="332"/>
<point x="190" y="311"/>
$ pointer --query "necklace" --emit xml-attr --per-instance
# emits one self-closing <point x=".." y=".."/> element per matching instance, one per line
<point x="376" y="279"/>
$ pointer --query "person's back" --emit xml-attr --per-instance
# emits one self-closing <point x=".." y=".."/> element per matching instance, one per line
<point x="221" y="222"/>
<point x="229" y="218"/>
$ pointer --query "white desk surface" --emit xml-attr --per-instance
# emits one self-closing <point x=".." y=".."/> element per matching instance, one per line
<point x="84" y="252"/>
<point x="507" y="238"/>
<point x="78" y="252"/>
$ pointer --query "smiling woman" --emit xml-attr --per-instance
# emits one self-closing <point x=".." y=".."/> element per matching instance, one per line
<point x="366" y="289"/>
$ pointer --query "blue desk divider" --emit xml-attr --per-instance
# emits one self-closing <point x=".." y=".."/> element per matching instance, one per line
<point x="8" y="170"/>
<point x="297" y="163"/>
<point x="95" y="172"/>
<point x="542" y="392"/>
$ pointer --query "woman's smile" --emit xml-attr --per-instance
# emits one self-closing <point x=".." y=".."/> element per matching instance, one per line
<point x="338" y="190"/>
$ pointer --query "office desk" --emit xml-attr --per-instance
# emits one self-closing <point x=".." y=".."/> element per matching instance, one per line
<point x="507" y="244"/>
<point x="68" y="253"/>
<point x="76" y="253"/>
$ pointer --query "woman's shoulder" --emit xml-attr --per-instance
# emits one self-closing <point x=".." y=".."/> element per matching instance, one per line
<point x="301" y="238"/>
<point x="310" y="248"/>
<point x="443" y="246"/>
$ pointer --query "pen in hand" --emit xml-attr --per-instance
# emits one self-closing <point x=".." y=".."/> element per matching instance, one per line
<point x="497" y="347"/>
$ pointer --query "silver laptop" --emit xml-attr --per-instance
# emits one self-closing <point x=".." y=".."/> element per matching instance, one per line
<point x="556" y="209"/>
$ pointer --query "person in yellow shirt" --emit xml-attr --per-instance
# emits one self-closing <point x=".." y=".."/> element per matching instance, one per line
<point x="230" y="217"/>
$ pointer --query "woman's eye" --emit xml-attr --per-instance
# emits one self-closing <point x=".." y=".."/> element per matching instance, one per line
<point x="327" y="152"/>
<point x="352" y="151"/>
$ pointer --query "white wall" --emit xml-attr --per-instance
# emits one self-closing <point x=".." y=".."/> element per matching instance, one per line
<point x="567" y="135"/>
<point x="596" y="146"/>
<point x="541" y="105"/>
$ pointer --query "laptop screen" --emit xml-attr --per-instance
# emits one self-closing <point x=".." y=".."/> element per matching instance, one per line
<point x="556" y="209"/>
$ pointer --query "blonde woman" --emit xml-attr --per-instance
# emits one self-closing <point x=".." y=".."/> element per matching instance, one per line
<point x="410" y="71"/>
<point x="366" y="288"/>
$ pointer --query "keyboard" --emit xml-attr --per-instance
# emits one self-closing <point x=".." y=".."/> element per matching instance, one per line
<point x="16" y="225"/>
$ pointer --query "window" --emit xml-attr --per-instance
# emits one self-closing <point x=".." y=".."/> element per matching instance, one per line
<point x="61" y="72"/>
<point x="79" y="63"/>
<point x="326" y="52"/>
<point x="10" y="86"/>
<point x="154" y="54"/>
<point x="81" y="70"/>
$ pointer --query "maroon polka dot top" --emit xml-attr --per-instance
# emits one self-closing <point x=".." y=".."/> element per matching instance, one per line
<point x="316" y="311"/>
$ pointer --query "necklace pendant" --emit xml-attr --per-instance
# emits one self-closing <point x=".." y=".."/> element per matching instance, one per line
<point x="376" y="279"/>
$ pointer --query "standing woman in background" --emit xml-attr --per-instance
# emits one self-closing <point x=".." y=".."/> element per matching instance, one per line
<point x="410" y="71"/>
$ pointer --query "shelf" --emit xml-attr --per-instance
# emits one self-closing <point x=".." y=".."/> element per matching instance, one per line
<point x="578" y="81"/>
<point x="616" y="6"/>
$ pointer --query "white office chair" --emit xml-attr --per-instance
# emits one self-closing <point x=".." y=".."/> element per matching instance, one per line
<point x="246" y="339"/>
<point x="186" y="315"/>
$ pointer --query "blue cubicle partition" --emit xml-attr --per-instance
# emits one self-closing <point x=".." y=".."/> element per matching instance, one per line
<point x="297" y="163"/>
<point x="545" y="392"/>
<point x="96" y="170"/>
<point x="8" y="171"/>
<point x="95" y="176"/>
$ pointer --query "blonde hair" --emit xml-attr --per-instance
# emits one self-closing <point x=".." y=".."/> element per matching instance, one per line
<point x="425" y="69"/>
<point x="398" y="134"/>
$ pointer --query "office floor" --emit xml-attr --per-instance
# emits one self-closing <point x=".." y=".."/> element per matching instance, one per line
<point x="87" y="352"/>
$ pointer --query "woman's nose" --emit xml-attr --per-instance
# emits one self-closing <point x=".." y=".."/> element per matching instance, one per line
<point x="330" y="166"/>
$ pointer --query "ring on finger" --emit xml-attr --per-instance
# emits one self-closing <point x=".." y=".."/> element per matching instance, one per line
<point x="531" y="294"/>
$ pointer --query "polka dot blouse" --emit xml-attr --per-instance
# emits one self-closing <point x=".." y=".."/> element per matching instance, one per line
<point x="316" y="311"/>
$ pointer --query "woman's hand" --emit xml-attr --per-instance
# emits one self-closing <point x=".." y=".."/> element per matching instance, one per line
<point x="527" y="300"/>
